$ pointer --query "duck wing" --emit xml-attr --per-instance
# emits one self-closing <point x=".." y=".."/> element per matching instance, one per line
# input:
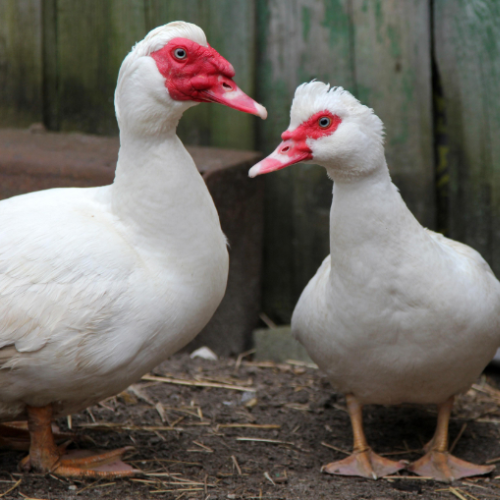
<point x="63" y="269"/>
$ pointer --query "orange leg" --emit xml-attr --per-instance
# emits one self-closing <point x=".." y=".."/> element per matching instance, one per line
<point x="363" y="462"/>
<point x="438" y="463"/>
<point x="46" y="457"/>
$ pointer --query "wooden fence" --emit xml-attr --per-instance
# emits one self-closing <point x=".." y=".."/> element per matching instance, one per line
<point x="429" y="68"/>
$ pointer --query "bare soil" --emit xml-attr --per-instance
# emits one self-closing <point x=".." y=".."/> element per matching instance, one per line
<point x="203" y="442"/>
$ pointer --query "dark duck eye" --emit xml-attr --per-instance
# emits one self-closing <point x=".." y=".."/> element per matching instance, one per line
<point x="324" y="122"/>
<point x="180" y="53"/>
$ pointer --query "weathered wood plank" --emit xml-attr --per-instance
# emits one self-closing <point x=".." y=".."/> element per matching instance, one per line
<point x="51" y="114"/>
<point x="467" y="48"/>
<point x="298" y="40"/>
<point x="232" y="33"/>
<point x="20" y="62"/>
<point x="93" y="37"/>
<point x="393" y="75"/>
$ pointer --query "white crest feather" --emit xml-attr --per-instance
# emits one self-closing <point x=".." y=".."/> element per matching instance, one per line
<point x="313" y="97"/>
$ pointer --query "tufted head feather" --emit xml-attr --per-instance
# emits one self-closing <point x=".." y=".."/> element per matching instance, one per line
<point x="329" y="126"/>
<point x="313" y="97"/>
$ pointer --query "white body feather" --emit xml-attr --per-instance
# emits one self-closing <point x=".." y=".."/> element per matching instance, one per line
<point x="99" y="285"/>
<point x="396" y="313"/>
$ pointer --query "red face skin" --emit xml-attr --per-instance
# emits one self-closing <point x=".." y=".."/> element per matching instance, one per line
<point x="294" y="148"/>
<point x="196" y="73"/>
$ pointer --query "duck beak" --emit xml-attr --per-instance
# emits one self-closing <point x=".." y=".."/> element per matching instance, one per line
<point x="226" y="92"/>
<point x="286" y="154"/>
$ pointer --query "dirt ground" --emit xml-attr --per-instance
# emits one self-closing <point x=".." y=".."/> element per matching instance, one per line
<point x="266" y="437"/>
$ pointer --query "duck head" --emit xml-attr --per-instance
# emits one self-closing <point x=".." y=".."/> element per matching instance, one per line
<point x="330" y="127"/>
<point x="174" y="66"/>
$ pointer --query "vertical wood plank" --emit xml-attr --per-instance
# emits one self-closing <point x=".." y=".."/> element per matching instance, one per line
<point x="393" y="75"/>
<point x="93" y="37"/>
<point x="232" y="34"/>
<point x="51" y="115"/>
<point x="298" y="40"/>
<point x="21" y="100"/>
<point x="467" y="48"/>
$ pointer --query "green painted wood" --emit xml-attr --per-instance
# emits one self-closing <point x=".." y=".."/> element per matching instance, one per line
<point x="51" y="116"/>
<point x="298" y="40"/>
<point x="467" y="48"/>
<point x="21" y="77"/>
<point x="393" y="75"/>
<point x="232" y="33"/>
<point x="93" y="37"/>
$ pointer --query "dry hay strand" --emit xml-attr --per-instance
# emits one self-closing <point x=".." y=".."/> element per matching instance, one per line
<point x="193" y="383"/>
<point x="11" y="488"/>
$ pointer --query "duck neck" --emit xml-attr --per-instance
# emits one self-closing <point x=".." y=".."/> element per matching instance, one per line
<point x="161" y="198"/>
<point x="367" y="213"/>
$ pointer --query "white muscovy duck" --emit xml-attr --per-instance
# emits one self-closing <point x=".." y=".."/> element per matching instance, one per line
<point x="99" y="285"/>
<point x="396" y="313"/>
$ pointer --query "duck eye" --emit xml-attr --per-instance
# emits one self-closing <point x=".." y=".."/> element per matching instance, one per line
<point x="324" y="122"/>
<point x="180" y="53"/>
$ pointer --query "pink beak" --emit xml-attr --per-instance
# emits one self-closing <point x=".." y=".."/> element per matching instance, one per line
<point x="286" y="154"/>
<point x="226" y="92"/>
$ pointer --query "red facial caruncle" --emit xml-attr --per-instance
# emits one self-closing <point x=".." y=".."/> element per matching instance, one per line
<point x="294" y="148"/>
<point x="193" y="72"/>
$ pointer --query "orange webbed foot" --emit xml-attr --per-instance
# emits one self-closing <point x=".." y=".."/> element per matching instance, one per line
<point x="443" y="466"/>
<point x="364" y="464"/>
<point x="84" y="463"/>
<point x="46" y="457"/>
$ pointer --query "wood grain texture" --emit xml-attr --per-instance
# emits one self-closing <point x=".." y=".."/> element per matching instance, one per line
<point x="21" y="73"/>
<point x="51" y="117"/>
<point x="467" y="48"/>
<point x="393" y="75"/>
<point x="232" y="33"/>
<point x="298" y="40"/>
<point x="93" y="37"/>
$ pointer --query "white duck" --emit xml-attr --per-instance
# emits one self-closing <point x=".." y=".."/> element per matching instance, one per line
<point x="396" y="313"/>
<point x="99" y="285"/>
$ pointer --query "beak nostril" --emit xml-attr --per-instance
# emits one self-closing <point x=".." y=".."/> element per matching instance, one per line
<point x="285" y="149"/>
<point x="227" y="86"/>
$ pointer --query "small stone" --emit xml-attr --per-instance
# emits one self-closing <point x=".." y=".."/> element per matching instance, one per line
<point x="37" y="128"/>
<point x="251" y="403"/>
<point x="247" y="396"/>
<point x="204" y="353"/>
